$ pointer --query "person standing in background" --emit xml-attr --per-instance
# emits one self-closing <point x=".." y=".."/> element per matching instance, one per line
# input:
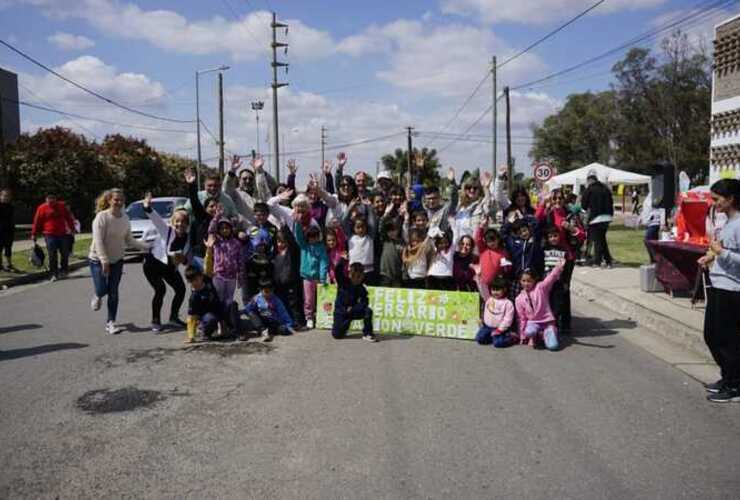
<point x="7" y="229"/>
<point x="53" y="220"/>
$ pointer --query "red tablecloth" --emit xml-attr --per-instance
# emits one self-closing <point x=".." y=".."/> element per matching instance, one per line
<point x="675" y="264"/>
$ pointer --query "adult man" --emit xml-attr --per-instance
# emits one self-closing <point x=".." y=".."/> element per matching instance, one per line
<point x="213" y="190"/>
<point x="384" y="184"/>
<point x="438" y="213"/>
<point x="363" y="192"/>
<point x="254" y="186"/>
<point x="54" y="221"/>
<point x="597" y="199"/>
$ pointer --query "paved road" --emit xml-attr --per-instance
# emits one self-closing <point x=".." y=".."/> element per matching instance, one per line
<point x="317" y="418"/>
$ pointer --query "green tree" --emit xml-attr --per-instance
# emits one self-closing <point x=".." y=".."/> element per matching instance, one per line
<point x="397" y="163"/>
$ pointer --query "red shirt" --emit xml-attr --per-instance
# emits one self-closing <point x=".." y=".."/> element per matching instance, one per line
<point x="52" y="219"/>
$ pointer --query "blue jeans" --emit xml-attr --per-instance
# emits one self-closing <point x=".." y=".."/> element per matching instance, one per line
<point x="107" y="285"/>
<point x="56" y="245"/>
<point x="484" y="337"/>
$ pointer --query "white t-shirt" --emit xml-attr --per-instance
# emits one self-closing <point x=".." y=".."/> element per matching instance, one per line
<point x="418" y="268"/>
<point x="441" y="263"/>
<point x="362" y="250"/>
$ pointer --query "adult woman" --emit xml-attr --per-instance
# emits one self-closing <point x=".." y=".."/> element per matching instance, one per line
<point x="474" y="204"/>
<point x="111" y="235"/>
<point x="553" y="212"/>
<point x="721" y="320"/>
<point x="171" y="248"/>
<point x="518" y="207"/>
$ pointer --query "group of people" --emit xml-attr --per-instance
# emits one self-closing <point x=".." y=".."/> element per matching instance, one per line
<point x="276" y="245"/>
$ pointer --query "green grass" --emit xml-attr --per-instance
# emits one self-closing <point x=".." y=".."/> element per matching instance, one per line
<point x="21" y="263"/>
<point x="626" y="245"/>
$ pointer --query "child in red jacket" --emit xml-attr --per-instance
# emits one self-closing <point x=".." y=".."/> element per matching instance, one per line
<point x="493" y="260"/>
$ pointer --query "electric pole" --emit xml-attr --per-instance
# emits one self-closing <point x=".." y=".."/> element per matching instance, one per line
<point x="221" y="124"/>
<point x="495" y="116"/>
<point x="323" y="144"/>
<point x="275" y="86"/>
<point x="410" y="130"/>
<point x="509" y="165"/>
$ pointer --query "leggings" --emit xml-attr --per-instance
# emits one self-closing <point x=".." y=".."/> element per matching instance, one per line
<point x="157" y="274"/>
<point x="721" y="332"/>
<point x="547" y="330"/>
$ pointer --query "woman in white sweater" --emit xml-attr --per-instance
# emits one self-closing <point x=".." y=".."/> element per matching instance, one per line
<point x="111" y="233"/>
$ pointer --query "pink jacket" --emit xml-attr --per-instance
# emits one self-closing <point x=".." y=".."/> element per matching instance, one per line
<point x="534" y="306"/>
<point x="498" y="314"/>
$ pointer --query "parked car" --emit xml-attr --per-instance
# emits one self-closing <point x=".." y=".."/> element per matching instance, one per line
<point x="141" y="227"/>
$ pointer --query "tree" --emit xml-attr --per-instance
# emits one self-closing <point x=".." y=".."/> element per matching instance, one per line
<point x="397" y="164"/>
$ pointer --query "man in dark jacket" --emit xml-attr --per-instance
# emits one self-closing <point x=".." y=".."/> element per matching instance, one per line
<point x="597" y="199"/>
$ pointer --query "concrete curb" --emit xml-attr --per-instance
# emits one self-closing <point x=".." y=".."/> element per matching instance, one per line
<point x="673" y="331"/>
<point x="25" y="279"/>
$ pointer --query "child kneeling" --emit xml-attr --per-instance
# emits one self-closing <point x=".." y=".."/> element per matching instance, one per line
<point x="352" y="302"/>
<point x="498" y="317"/>
<point x="267" y="313"/>
<point x="533" y="308"/>
<point x="205" y="309"/>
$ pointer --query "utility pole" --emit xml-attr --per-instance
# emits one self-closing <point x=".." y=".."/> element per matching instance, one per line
<point x="197" y="121"/>
<point x="509" y="165"/>
<point x="275" y="86"/>
<point x="495" y="116"/>
<point x="221" y="124"/>
<point x="410" y="130"/>
<point x="323" y="144"/>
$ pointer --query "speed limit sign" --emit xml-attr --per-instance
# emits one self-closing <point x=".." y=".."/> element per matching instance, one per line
<point x="543" y="172"/>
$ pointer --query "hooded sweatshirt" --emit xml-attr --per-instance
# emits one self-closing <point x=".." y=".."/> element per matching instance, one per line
<point x="534" y="306"/>
<point x="498" y="314"/>
<point x="228" y="257"/>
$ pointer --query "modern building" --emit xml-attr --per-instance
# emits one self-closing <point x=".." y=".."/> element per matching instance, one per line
<point x="11" y="121"/>
<point x="724" y="159"/>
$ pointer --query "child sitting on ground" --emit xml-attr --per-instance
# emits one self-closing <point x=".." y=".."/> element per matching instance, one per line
<point x="352" y="303"/>
<point x="498" y="317"/>
<point x="314" y="268"/>
<point x="205" y="309"/>
<point x="533" y="308"/>
<point x="267" y="313"/>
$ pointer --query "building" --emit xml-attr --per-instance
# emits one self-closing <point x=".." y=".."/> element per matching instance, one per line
<point x="724" y="159"/>
<point x="11" y="121"/>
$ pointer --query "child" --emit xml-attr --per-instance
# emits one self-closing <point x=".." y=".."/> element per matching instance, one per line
<point x="493" y="260"/>
<point x="415" y="257"/>
<point x="391" y="265"/>
<point x="352" y="303"/>
<point x="439" y="272"/>
<point x="258" y="262"/>
<point x="228" y="258"/>
<point x="336" y="247"/>
<point x="314" y="268"/>
<point x="267" y="313"/>
<point x="361" y="242"/>
<point x="498" y="317"/>
<point x="286" y="271"/>
<point x="524" y="244"/>
<point x="533" y="308"/>
<point x="205" y="309"/>
<point x="464" y="264"/>
<point x="203" y="214"/>
<point x="554" y="252"/>
<point x="7" y="229"/>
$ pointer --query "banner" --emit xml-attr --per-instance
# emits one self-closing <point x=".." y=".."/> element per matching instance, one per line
<point x="403" y="311"/>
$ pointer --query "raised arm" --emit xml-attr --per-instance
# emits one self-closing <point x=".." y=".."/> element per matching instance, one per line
<point x="159" y="224"/>
<point x="195" y="205"/>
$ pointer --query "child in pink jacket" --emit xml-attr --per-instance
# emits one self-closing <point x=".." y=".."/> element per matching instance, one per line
<point x="533" y="308"/>
<point x="498" y="317"/>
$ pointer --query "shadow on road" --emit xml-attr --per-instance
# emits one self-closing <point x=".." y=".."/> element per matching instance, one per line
<point x="132" y="328"/>
<point x="40" y="349"/>
<point x="584" y="327"/>
<point x="20" y="328"/>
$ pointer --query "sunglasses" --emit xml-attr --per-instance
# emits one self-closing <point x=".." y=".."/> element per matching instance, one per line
<point x="471" y="188"/>
<point x="344" y="185"/>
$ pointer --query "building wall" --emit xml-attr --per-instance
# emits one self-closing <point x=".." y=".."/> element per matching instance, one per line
<point x="725" y="144"/>
<point x="11" y="123"/>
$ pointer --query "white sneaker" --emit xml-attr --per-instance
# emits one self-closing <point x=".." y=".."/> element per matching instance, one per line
<point x="112" y="329"/>
<point x="266" y="336"/>
<point x="310" y="324"/>
<point x="95" y="303"/>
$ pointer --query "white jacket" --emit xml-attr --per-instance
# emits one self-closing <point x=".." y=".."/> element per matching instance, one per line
<point x="162" y="237"/>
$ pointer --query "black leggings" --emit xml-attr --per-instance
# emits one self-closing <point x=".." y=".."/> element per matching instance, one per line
<point x="157" y="274"/>
<point x="721" y="327"/>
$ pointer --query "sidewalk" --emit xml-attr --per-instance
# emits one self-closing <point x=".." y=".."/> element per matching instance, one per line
<point x="76" y="261"/>
<point x="618" y="290"/>
<point x="21" y="245"/>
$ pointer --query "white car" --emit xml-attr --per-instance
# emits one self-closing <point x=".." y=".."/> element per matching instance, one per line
<point x="141" y="227"/>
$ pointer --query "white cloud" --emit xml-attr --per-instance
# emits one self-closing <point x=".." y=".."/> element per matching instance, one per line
<point x="68" y="41"/>
<point x="245" y="39"/>
<point x="699" y="35"/>
<point x="535" y="11"/>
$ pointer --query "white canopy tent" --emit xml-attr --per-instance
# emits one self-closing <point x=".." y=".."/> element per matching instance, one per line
<point x="607" y="175"/>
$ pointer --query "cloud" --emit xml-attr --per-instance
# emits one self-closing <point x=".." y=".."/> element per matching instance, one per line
<point x="68" y="41"/>
<point x="444" y="60"/>
<point x="247" y="38"/>
<point x="700" y="35"/>
<point x="535" y="11"/>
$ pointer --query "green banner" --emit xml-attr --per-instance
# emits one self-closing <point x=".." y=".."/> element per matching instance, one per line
<point x="432" y="313"/>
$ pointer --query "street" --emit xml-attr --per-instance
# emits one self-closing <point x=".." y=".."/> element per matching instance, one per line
<point x="311" y="417"/>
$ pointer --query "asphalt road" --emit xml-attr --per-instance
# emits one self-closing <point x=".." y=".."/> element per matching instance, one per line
<point x="311" y="417"/>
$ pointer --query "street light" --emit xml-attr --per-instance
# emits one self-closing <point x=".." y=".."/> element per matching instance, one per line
<point x="223" y="67"/>
<point x="257" y="107"/>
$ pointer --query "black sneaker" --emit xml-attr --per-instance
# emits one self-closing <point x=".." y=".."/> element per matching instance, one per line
<point x="176" y="323"/>
<point x="726" y="395"/>
<point x="715" y="387"/>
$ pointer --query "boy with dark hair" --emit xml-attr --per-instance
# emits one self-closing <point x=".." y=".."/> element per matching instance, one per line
<point x="352" y="302"/>
<point x="554" y="252"/>
<point x="524" y="244"/>
<point x="205" y="308"/>
<point x="267" y="314"/>
<point x="286" y="268"/>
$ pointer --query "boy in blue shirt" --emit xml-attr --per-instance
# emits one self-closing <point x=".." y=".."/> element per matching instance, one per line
<point x="352" y="302"/>
<point x="268" y="314"/>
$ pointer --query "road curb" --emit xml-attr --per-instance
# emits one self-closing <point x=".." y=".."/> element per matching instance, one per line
<point x="671" y="330"/>
<point x="25" y="279"/>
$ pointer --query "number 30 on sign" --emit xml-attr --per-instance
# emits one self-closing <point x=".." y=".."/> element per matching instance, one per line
<point x="543" y="172"/>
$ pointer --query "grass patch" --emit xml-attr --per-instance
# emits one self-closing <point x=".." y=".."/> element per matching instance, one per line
<point x="626" y="245"/>
<point x="21" y="263"/>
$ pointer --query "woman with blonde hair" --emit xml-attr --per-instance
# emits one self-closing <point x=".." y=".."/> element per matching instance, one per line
<point x="111" y="234"/>
<point x="475" y="203"/>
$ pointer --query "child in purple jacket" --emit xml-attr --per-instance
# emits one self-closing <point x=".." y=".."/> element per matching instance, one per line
<point x="228" y="257"/>
<point x="536" y="319"/>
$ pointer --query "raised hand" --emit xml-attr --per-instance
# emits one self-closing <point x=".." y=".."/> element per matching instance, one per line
<point x="485" y="179"/>
<point x="451" y="174"/>
<point x="292" y="167"/>
<point x="190" y="176"/>
<point x="312" y="182"/>
<point x="210" y="241"/>
<point x="236" y="163"/>
<point x="147" y="202"/>
<point x="258" y="163"/>
<point x="326" y="167"/>
<point x="342" y="159"/>
<point x="285" y="195"/>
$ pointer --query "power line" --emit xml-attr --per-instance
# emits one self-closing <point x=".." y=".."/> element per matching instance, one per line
<point x="477" y="120"/>
<point x="91" y="92"/>
<point x="91" y="132"/>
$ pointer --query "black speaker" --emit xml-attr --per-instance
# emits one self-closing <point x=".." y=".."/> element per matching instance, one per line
<point x="663" y="185"/>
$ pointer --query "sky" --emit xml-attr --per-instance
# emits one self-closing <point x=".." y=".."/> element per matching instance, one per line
<point x="363" y="70"/>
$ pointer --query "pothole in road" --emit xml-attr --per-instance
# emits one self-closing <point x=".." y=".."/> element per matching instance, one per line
<point x="231" y="349"/>
<point x="114" y="401"/>
<point x="155" y="355"/>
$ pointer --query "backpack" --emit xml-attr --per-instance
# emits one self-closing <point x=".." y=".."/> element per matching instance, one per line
<point x="37" y="256"/>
